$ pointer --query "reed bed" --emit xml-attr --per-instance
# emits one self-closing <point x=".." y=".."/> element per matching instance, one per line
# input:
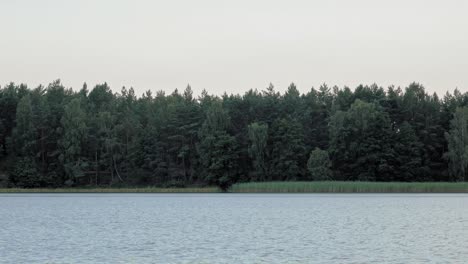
<point x="350" y="187"/>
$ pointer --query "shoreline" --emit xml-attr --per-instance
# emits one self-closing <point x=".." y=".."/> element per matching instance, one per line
<point x="274" y="187"/>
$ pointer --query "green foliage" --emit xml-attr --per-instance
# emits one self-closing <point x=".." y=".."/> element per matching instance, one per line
<point x="258" y="136"/>
<point x="9" y="97"/>
<point x="319" y="165"/>
<point x="315" y="118"/>
<point x="24" y="134"/>
<point x="360" y="142"/>
<point x="25" y="174"/>
<point x="457" y="139"/>
<point x="408" y="149"/>
<point x="74" y="136"/>
<point x="288" y="150"/>
<point x="53" y="136"/>
<point x="217" y="149"/>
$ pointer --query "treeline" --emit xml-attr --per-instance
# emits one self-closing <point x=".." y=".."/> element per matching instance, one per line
<point x="53" y="136"/>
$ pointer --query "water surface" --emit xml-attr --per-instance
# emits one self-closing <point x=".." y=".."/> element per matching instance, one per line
<point x="233" y="228"/>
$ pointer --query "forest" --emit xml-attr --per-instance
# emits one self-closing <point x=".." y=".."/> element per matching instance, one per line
<point x="53" y="136"/>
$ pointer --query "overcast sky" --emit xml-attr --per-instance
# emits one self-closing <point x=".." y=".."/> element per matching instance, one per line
<point x="235" y="45"/>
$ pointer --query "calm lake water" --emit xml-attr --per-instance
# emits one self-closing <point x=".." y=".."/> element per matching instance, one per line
<point x="233" y="228"/>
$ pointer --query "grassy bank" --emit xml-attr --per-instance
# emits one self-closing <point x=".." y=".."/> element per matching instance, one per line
<point x="350" y="187"/>
<point x="278" y="187"/>
<point x="112" y="190"/>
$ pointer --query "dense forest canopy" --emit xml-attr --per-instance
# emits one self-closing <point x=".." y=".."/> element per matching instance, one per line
<point x="53" y="136"/>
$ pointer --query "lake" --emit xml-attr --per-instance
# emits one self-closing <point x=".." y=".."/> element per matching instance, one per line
<point x="233" y="228"/>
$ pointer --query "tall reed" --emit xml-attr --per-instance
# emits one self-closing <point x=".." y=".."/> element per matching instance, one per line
<point x="350" y="187"/>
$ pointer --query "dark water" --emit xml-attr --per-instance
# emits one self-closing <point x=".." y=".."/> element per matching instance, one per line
<point x="233" y="228"/>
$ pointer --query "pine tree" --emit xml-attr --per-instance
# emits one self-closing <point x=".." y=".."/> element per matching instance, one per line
<point x="288" y="152"/>
<point x="407" y="147"/>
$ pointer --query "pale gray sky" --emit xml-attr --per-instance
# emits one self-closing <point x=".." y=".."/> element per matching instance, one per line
<point x="235" y="45"/>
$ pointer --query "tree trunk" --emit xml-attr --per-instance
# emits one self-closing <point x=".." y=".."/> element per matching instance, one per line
<point x="115" y="167"/>
<point x="97" y="168"/>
